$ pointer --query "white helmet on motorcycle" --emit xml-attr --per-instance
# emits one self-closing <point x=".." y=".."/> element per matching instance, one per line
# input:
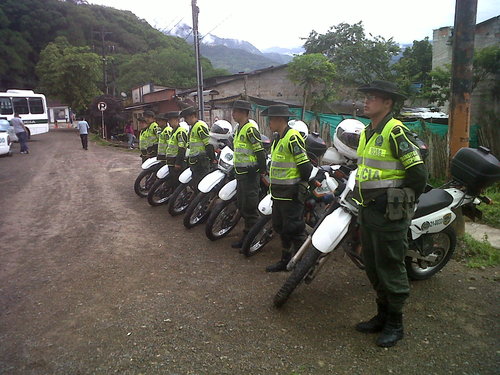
<point x="300" y="126"/>
<point x="184" y="124"/>
<point x="346" y="138"/>
<point x="221" y="129"/>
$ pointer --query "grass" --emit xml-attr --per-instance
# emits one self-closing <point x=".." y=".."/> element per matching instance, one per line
<point x="491" y="212"/>
<point x="476" y="253"/>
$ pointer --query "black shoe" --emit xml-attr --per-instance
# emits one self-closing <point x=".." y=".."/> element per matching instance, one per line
<point x="277" y="267"/>
<point x="238" y="244"/>
<point x="392" y="332"/>
<point x="375" y="324"/>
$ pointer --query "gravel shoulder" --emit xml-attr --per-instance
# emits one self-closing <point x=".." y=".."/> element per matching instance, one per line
<point x="95" y="281"/>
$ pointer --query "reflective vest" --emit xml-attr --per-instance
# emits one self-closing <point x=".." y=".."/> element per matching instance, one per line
<point x="149" y="136"/>
<point x="244" y="151"/>
<point x="163" y="138"/>
<point x="196" y="143"/>
<point x="284" y="170"/>
<point x="377" y="166"/>
<point x="174" y="144"/>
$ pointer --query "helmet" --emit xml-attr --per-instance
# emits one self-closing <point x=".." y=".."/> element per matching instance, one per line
<point x="300" y="126"/>
<point x="221" y="129"/>
<point x="346" y="138"/>
<point x="184" y="124"/>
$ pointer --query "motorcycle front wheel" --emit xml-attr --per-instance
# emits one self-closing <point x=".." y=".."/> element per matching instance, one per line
<point x="144" y="182"/>
<point x="180" y="199"/>
<point x="222" y="220"/>
<point x="305" y="266"/>
<point x="160" y="192"/>
<point x="258" y="236"/>
<point x="440" y="246"/>
<point x="198" y="209"/>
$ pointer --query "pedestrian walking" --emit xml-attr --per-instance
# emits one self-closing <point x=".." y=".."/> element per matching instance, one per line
<point x="21" y="132"/>
<point x="289" y="175"/>
<point x="201" y="152"/>
<point x="249" y="163"/>
<point x="129" y="130"/>
<point x="83" y="128"/>
<point x="391" y="176"/>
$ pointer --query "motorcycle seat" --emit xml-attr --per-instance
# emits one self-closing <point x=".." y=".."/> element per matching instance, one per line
<point x="432" y="201"/>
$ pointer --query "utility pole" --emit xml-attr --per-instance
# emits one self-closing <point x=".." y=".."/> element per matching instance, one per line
<point x="461" y="74"/>
<point x="199" y="73"/>
<point x="103" y="34"/>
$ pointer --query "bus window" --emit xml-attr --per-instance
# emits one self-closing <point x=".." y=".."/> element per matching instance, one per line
<point x="20" y="106"/>
<point x="5" y="106"/>
<point x="36" y="106"/>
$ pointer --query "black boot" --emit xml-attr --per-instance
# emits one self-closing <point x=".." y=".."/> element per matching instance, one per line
<point x="281" y="265"/>
<point x="238" y="244"/>
<point x="392" y="332"/>
<point x="375" y="324"/>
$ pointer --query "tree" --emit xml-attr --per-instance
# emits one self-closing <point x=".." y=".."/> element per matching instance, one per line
<point x="438" y="91"/>
<point x="415" y="67"/>
<point x="486" y="62"/>
<point x="358" y="59"/>
<point x="313" y="71"/>
<point x="69" y="73"/>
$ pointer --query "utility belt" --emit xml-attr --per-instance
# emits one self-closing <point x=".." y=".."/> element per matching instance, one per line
<point x="396" y="204"/>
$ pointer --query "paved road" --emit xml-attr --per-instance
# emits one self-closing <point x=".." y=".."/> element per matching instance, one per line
<point x="94" y="281"/>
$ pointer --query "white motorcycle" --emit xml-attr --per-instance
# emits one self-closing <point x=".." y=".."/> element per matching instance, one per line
<point x="262" y="232"/>
<point x="198" y="210"/>
<point x="162" y="189"/>
<point x="431" y="239"/>
<point x="147" y="177"/>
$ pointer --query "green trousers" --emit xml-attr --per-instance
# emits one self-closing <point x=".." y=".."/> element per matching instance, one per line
<point x="247" y="196"/>
<point x="384" y="251"/>
<point x="288" y="221"/>
<point x="200" y="168"/>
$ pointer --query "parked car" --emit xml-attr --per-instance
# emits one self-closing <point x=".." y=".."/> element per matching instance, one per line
<point x="5" y="137"/>
<point x="5" y="126"/>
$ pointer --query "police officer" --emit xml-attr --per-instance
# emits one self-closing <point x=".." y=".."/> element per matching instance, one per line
<point x="176" y="147"/>
<point x="164" y="135"/>
<point x="289" y="173"/>
<point x="389" y="165"/>
<point x="249" y="161"/>
<point x="148" y="139"/>
<point x="201" y="152"/>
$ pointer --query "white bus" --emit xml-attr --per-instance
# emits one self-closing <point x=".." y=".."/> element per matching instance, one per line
<point x="31" y="107"/>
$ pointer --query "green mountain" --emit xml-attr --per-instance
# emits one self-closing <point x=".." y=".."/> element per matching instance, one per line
<point x="27" y="26"/>
<point x="235" y="60"/>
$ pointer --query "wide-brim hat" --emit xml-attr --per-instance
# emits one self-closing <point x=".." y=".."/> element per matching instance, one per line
<point x="173" y="114"/>
<point x="141" y="119"/>
<point x="385" y="87"/>
<point x="162" y="116"/>
<point x="148" y="113"/>
<point x="189" y="111"/>
<point x="277" y="110"/>
<point x="242" y="104"/>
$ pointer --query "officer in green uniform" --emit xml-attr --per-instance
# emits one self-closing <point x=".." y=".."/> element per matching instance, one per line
<point x="176" y="148"/>
<point x="289" y="175"/>
<point x="143" y="138"/>
<point x="148" y="139"/>
<point x="201" y="152"/>
<point x="249" y="162"/>
<point x="164" y="135"/>
<point x="391" y="175"/>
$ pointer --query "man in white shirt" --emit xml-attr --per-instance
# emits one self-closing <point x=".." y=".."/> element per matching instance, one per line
<point x="83" y="127"/>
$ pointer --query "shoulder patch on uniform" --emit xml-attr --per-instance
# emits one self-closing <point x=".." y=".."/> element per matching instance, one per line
<point x="379" y="140"/>
<point x="404" y="146"/>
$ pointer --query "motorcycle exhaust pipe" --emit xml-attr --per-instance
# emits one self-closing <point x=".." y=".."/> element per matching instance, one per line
<point x="298" y="255"/>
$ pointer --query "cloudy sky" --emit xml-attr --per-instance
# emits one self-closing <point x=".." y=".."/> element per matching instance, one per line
<point x="275" y="23"/>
